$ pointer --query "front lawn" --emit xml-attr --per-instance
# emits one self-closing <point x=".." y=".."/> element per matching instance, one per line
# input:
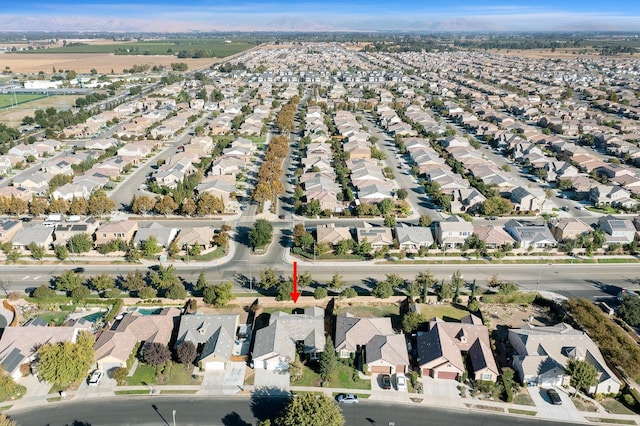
<point x="343" y="378"/>
<point x="144" y="375"/>
<point x="181" y="376"/>
<point x="523" y="398"/>
<point x="614" y="406"/>
<point x="54" y="318"/>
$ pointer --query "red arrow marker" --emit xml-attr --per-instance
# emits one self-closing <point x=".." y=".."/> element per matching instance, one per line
<point x="295" y="294"/>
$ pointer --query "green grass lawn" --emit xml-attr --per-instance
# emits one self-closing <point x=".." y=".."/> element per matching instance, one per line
<point x="615" y="407"/>
<point x="446" y="312"/>
<point x="182" y="376"/>
<point x="55" y="318"/>
<point x="342" y="379"/>
<point x="8" y="99"/>
<point x="178" y="392"/>
<point x="132" y="392"/>
<point x="144" y="375"/>
<point x="583" y="405"/>
<point x="611" y="421"/>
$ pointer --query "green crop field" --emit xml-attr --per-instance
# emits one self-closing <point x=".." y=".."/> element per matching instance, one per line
<point x="9" y="99"/>
<point x="190" y="48"/>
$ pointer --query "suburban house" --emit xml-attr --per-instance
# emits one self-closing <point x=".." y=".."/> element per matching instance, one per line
<point x="493" y="236"/>
<point x="377" y="236"/>
<point x="64" y="231"/>
<point x="124" y="229"/>
<point x="414" y="237"/>
<point x="453" y="231"/>
<point x="569" y="229"/>
<point x="441" y="350"/>
<point x="39" y="234"/>
<point x="201" y="236"/>
<point x="214" y="337"/>
<point x="536" y="236"/>
<point x="384" y="351"/>
<point x="332" y="234"/>
<point x="275" y="344"/>
<point x="19" y="345"/>
<point x="163" y="235"/>
<point x="542" y="354"/>
<point x="617" y="230"/>
<point x="113" y="346"/>
<point x="8" y="229"/>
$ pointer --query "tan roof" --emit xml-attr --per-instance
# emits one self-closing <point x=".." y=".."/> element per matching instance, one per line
<point x="352" y="332"/>
<point x="135" y="327"/>
<point x="332" y="234"/>
<point x="392" y="349"/>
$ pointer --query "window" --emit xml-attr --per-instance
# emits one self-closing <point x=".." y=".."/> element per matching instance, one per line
<point x="486" y="376"/>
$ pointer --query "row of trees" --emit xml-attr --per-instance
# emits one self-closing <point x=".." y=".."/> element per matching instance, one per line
<point x="203" y="205"/>
<point x="269" y="185"/>
<point x="97" y="204"/>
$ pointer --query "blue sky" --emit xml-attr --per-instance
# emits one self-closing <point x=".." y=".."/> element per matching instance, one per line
<point x="206" y="15"/>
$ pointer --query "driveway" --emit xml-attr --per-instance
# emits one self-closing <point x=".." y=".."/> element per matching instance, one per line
<point x="379" y="394"/>
<point x="212" y="382"/>
<point x="444" y="393"/>
<point x="271" y="379"/>
<point x="566" y="411"/>
<point x="233" y="380"/>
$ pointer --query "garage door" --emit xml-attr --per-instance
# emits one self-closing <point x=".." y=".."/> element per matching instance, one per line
<point x="451" y="375"/>
<point x="381" y="369"/>
<point x="109" y="367"/>
<point x="214" y="365"/>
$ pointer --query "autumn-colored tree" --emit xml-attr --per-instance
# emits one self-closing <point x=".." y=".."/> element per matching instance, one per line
<point x="79" y="206"/>
<point x="209" y="204"/>
<point x="100" y="204"/>
<point x="38" y="206"/>
<point x="188" y="207"/>
<point x="142" y="204"/>
<point x="166" y="205"/>
<point x="59" y="205"/>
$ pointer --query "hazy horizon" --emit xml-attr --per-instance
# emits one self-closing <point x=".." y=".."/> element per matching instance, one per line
<point x="347" y="15"/>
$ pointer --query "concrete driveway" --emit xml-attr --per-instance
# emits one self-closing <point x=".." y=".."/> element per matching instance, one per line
<point x="271" y="379"/>
<point x="442" y="392"/>
<point x="379" y="394"/>
<point x="212" y="382"/>
<point x="566" y="411"/>
<point x="233" y="380"/>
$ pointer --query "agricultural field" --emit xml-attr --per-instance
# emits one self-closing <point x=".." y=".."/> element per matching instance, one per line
<point x="211" y="48"/>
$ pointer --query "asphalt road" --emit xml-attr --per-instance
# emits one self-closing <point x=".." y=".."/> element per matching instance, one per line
<point x="579" y="280"/>
<point x="243" y="411"/>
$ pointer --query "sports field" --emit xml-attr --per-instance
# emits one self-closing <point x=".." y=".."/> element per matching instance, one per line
<point x="8" y="100"/>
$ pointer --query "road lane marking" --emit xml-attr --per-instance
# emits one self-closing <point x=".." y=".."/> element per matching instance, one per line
<point x="25" y="278"/>
<point x="35" y="278"/>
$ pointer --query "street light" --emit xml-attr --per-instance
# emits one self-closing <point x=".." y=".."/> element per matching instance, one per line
<point x="174" y="417"/>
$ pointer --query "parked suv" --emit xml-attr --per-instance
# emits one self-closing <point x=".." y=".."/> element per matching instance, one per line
<point x="95" y="378"/>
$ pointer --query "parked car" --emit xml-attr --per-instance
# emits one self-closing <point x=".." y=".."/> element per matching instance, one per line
<point x="95" y="378"/>
<point x="281" y="216"/>
<point x="385" y="381"/>
<point x="554" y="397"/>
<point x="347" y="398"/>
<point x="401" y="382"/>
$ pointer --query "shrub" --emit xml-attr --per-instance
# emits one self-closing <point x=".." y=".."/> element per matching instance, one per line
<point x="43" y="292"/>
<point x="320" y="293"/>
<point x="120" y="375"/>
<point x="348" y="293"/>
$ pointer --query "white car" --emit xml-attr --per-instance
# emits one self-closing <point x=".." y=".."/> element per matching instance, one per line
<point x="401" y="382"/>
<point x="95" y="378"/>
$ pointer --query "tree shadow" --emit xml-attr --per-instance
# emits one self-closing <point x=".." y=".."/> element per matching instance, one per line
<point x="242" y="235"/>
<point x="268" y="402"/>
<point x="234" y="419"/>
<point x="80" y="423"/>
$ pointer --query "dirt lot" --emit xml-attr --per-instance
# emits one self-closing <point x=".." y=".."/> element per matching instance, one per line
<point x="514" y="316"/>
<point x="548" y="54"/>
<point x="84" y="62"/>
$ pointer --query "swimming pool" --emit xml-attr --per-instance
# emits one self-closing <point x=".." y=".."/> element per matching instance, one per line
<point x="149" y="311"/>
<point x="94" y="316"/>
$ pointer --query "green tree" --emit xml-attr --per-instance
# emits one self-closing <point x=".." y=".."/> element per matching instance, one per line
<point x="425" y="220"/>
<point x="268" y="279"/>
<point x="444" y="291"/>
<point x="320" y="293"/>
<point x="43" y="292"/>
<point x="336" y="282"/>
<point x="147" y="292"/>
<point x="164" y="277"/>
<point x="61" y="251"/>
<point x="80" y="243"/>
<point x="102" y="282"/>
<point x="328" y="361"/>
<point x="80" y="293"/>
<point x="65" y="363"/>
<point x="385" y="206"/>
<point x="201" y="284"/>
<point x="9" y="389"/>
<point x="260" y="234"/>
<point x="68" y="281"/>
<point x="629" y="310"/>
<point x="411" y="321"/>
<point x="402" y="193"/>
<point x="218" y="294"/>
<point x="133" y="281"/>
<point x="348" y="293"/>
<point x="495" y="206"/>
<point x="583" y="375"/>
<point x="176" y="291"/>
<point x="37" y="251"/>
<point x="150" y="246"/>
<point x="311" y="410"/>
<point x="382" y="290"/>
